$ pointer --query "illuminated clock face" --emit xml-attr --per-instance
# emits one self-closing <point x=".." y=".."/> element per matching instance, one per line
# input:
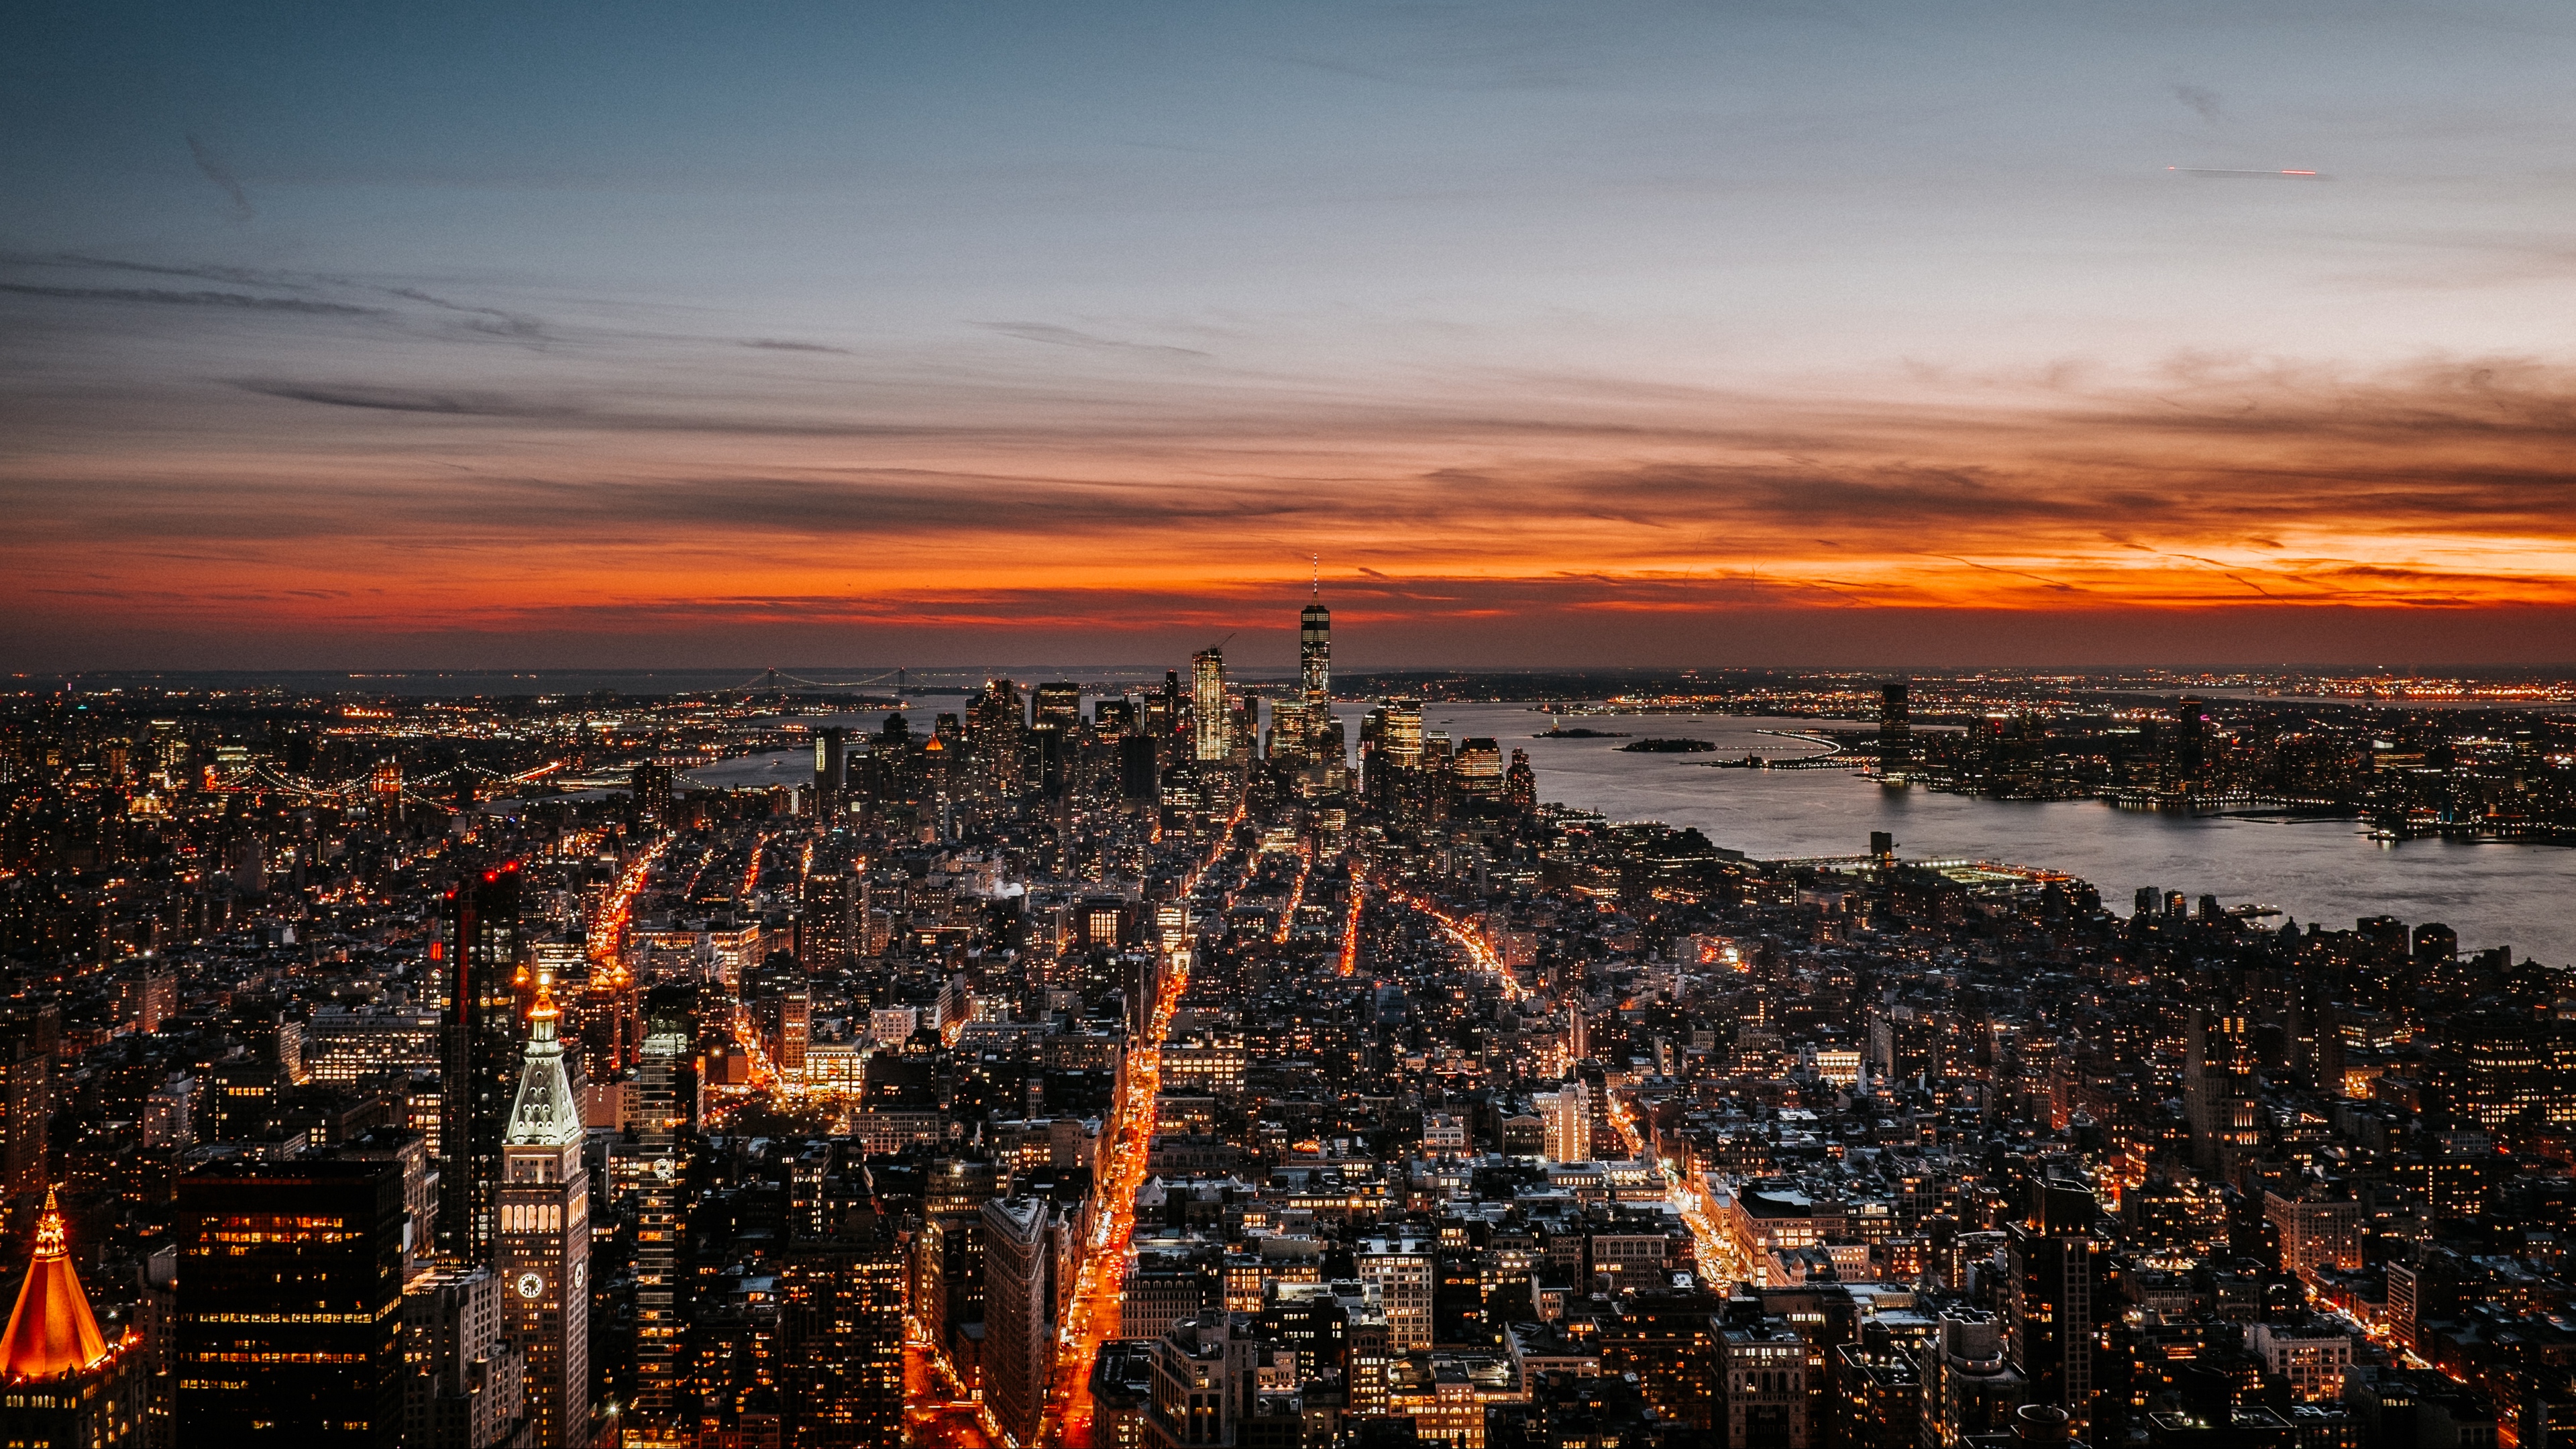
<point x="530" y="1285"/>
<point x="580" y="1271"/>
<point x="664" y="1167"/>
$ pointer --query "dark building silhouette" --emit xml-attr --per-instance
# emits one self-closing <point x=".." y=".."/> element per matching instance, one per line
<point x="289" y="1302"/>
<point x="480" y="1061"/>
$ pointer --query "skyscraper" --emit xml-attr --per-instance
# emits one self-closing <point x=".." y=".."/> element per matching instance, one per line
<point x="1019" y="1317"/>
<point x="831" y="771"/>
<point x="289" y="1302"/>
<point x="1057" y="706"/>
<point x="543" y="1206"/>
<point x="2051" y="1314"/>
<point x="1895" y="735"/>
<point x="479" y="1063"/>
<point x="464" y="1381"/>
<point x="2219" y="1095"/>
<point x="1400" y="733"/>
<point x="841" y="1299"/>
<point x="26" y="1102"/>
<point x="996" y="730"/>
<point x="66" y="1386"/>
<point x="658" y="1217"/>
<point x="1315" y="672"/>
<point x="1211" y="726"/>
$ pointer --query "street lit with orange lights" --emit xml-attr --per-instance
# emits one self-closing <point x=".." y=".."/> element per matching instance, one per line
<point x="1091" y="1317"/>
<point x="1719" y="1263"/>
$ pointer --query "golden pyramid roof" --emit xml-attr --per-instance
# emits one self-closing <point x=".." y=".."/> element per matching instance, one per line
<point x="51" y="1332"/>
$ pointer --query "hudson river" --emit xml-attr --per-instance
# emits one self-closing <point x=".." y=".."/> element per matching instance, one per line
<point x="2329" y="871"/>
<point x="2322" y="870"/>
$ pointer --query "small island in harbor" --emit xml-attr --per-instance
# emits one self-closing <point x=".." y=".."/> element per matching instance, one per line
<point x="1652" y="746"/>
<point x="1560" y="732"/>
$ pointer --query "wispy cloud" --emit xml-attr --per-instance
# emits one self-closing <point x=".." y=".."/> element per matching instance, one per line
<point x="1055" y="336"/>
<point x="220" y="174"/>
<point x="241" y="301"/>
<point x="457" y="403"/>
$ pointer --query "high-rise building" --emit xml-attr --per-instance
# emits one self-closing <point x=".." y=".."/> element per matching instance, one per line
<point x="1520" y="783"/>
<point x="2055" y="1298"/>
<point x="2316" y="1232"/>
<point x="831" y="771"/>
<point x="464" y="1380"/>
<point x="2219" y="1094"/>
<point x="26" y="1098"/>
<point x="659" y="1116"/>
<point x="1203" y="1383"/>
<point x="650" y="786"/>
<point x="1764" y="1385"/>
<point x="1969" y="1388"/>
<point x="1057" y="706"/>
<point x="1139" y="773"/>
<point x="841" y="1302"/>
<point x="1895" y="734"/>
<point x="1314" y="681"/>
<point x="997" y="733"/>
<point x="827" y="918"/>
<point x="1019" y="1318"/>
<point x="62" y="1384"/>
<point x="479" y="1063"/>
<point x="1211" y="723"/>
<point x="1315" y="654"/>
<point x="1399" y="1271"/>
<point x="1400" y="733"/>
<point x="1566" y="1119"/>
<point x="289" y="1302"/>
<point x="543" y="1206"/>
<point x="1478" y="769"/>
<point x="2185" y="746"/>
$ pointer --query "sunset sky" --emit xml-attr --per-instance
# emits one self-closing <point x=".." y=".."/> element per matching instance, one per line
<point x="350" y="336"/>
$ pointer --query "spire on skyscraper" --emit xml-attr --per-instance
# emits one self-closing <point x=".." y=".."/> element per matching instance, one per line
<point x="544" y="1113"/>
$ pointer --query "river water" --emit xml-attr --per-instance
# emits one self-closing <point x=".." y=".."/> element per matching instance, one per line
<point x="2330" y="871"/>
<point x="2523" y="896"/>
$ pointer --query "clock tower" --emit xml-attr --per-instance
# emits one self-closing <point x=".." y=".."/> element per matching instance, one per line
<point x="543" y="1237"/>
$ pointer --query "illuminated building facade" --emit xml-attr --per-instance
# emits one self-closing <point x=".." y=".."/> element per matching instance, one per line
<point x="289" y="1301"/>
<point x="62" y="1384"/>
<point x="1210" y="722"/>
<point x="543" y="1207"/>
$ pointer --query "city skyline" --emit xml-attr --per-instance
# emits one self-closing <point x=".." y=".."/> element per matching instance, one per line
<point x="1654" y="335"/>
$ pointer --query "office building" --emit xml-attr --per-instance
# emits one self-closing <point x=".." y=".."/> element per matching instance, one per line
<point x="464" y="1380"/>
<point x="289" y="1301"/>
<point x="2221" y="1099"/>
<point x="651" y="788"/>
<point x="831" y="771"/>
<point x="841" y="1308"/>
<point x="1211" y="722"/>
<point x="26" y="1095"/>
<point x="479" y="1064"/>
<point x="1019" y="1318"/>
<point x="660" y="1115"/>
<point x="1566" y="1115"/>
<point x="1895" y="734"/>
<point x="2056" y="1299"/>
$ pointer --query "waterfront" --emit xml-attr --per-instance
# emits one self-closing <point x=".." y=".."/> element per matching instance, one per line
<point x="2323" y="870"/>
<point x="2328" y="871"/>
